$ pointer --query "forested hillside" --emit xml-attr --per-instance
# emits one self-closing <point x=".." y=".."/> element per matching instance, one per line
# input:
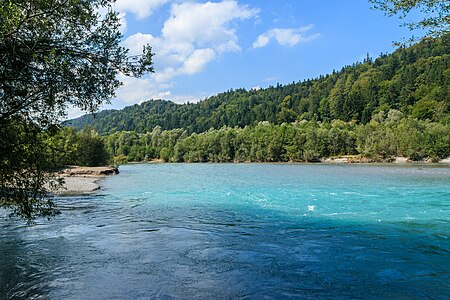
<point x="414" y="81"/>
<point x="395" y="105"/>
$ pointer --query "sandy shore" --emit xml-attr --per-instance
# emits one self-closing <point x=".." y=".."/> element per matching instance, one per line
<point x="83" y="180"/>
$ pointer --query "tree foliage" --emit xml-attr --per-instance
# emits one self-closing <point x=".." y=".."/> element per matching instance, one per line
<point x="432" y="16"/>
<point x="23" y="170"/>
<point x="406" y="80"/>
<point x="72" y="147"/>
<point x="395" y="105"/>
<point x="53" y="54"/>
<point x="387" y="135"/>
<point x="58" y="53"/>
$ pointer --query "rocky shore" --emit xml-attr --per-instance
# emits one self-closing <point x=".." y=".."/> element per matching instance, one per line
<point x="362" y="159"/>
<point x="83" y="180"/>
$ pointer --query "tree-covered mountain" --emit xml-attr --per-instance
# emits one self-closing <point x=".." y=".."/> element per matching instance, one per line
<point x="413" y="80"/>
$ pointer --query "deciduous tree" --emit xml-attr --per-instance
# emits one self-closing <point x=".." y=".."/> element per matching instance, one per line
<point x="53" y="54"/>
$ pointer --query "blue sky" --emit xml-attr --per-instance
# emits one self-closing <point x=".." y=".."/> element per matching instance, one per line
<point x="206" y="47"/>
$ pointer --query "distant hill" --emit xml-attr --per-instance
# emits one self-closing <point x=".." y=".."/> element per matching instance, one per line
<point x="414" y="80"/>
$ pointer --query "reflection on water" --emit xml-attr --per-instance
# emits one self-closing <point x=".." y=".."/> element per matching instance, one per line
<point x="239" y="231"/>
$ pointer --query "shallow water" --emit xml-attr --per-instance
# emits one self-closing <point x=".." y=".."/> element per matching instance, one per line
<point x="250" y="231"/>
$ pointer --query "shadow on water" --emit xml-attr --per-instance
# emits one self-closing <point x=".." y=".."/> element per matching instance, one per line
<point x="33" y="258"/>
<point x="221" y="253"/>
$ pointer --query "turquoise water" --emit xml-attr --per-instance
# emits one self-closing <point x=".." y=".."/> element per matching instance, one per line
<point x="240" y="231"/>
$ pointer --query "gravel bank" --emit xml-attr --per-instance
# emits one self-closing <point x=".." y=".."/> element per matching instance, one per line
<point x="79" y="185"/>
<point x="83" y="180"/>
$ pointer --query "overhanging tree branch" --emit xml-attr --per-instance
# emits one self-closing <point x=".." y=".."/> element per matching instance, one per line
<point x="432" y="16"/>
<point x="52" y="54"/>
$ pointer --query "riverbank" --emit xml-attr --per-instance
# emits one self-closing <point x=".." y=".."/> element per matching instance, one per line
<point x="83" y="180"/>
<point x="344" y="159"/>
<point x="395" y="160"/>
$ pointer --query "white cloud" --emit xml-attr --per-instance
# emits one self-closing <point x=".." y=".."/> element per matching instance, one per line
<point x="136" y="42"/>
<point x="272" y="79"/>
<point x="285" y="36"/>
<point x="138" y="90"/>
<point x="194" y="35"/>
<point x="197" y="61"/>
<point x="141" y="8"/>
<point x="261" y="41"/>
<point x="123" y="22"/>
<point x="205" y="24"/>
<point x="73" y="112"/>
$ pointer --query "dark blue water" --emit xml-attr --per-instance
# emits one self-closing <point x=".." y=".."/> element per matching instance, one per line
<point x="240" y="231"/>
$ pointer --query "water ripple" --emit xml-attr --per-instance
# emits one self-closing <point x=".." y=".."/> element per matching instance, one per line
<point x="239" y="232"/>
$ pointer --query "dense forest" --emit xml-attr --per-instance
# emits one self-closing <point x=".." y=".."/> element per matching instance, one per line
<point x="382" y="139"/>
<point x="414" y="80"/>
<point x="395" y="105"/>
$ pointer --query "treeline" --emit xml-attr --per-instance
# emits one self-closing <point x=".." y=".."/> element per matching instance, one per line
<point x="68" y="146"/>
<point x="387" y="135"/>
<point x="39" y="151"/>
<point x="414" y="81"/>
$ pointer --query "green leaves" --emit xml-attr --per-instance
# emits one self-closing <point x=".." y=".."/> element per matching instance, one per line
<point x="381" y="139"/>
<point x="24" y="166"/>
<point x="431" y="16"/>
<point x="61" y="53"/>
<point x="357" y="92"/>
<point x="71" y="147"/>
<point x="53" y="55"/>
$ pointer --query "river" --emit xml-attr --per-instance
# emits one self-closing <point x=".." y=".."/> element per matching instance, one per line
<point x="240" y="231"/>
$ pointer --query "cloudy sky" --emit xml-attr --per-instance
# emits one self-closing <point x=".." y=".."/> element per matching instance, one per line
<point x="206" y="47"/>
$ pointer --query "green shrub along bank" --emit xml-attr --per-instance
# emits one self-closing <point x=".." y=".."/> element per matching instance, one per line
<point x="72" y="147"/>
<point x="387" y="135"/>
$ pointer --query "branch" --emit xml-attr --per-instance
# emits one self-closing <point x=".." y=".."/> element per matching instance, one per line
<point x="29" y="17"/>
<point x="23" y="105"/>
